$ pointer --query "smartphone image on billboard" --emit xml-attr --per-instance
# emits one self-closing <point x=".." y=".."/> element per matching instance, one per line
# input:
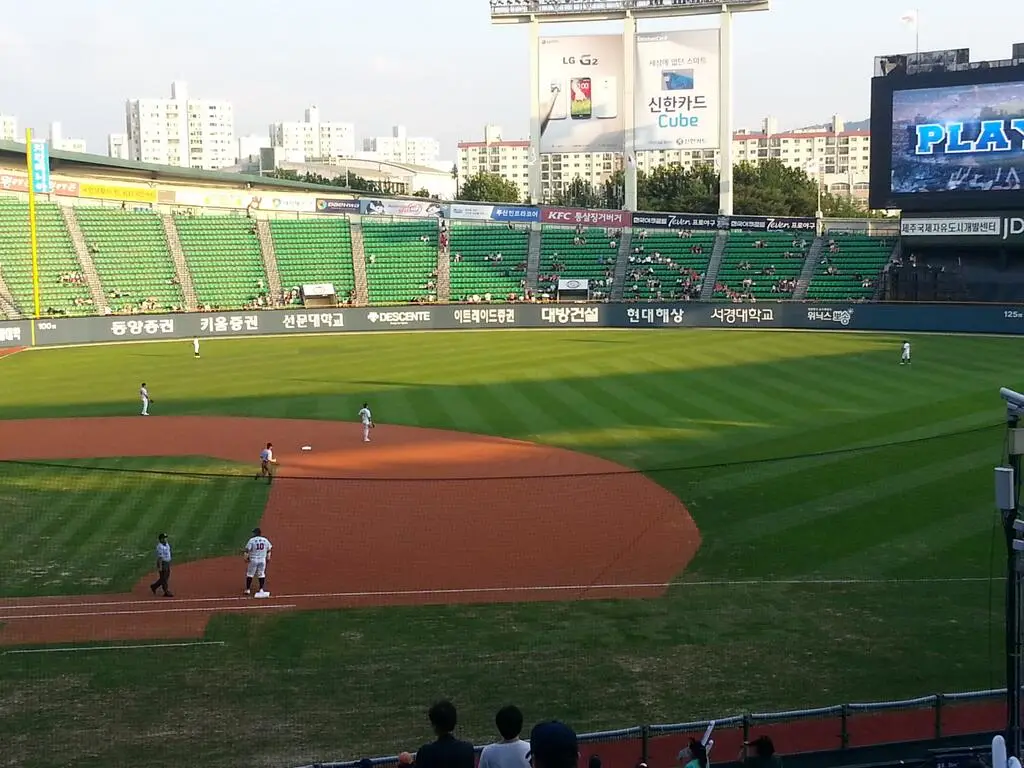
<point x="606" y="98"/>
<point x="581" y="104"/>
<point x="558" y="99"/>
<point x="677" y="80"/>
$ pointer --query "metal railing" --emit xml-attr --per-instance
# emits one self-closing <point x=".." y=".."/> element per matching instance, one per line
<point x="745" y="723"/>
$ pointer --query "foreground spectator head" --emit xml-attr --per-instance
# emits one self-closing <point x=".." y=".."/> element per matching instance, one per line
<point x="509" y="721"/>
<point x="595" y="761"/>
<point x="443" y="716"/>
<point x="763" y="746"/>
<point x="553" y="745"/>
<point x="694" y="756"/>
<point x="511" y="751"/>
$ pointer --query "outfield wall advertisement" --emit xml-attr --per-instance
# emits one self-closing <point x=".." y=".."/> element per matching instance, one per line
<point x="921" y="318"/>
<point x="676" y="94"/>
<point x="581" y="93"/>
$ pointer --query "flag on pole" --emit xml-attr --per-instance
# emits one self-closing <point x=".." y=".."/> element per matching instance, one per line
<point x="909" y="18"/>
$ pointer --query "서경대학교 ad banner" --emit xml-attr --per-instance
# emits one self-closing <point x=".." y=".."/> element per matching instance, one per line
<point x="677" y="90"/>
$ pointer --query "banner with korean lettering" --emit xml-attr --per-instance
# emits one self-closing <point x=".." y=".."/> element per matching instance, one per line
<point x="337" y="205"/>
<point x="120" y="192"/>
<point x="676" y="95"/>
<point x="770" y="223"/>
<point x="580" y="80"/>
<point x="585" y="216"/>
<point x="286" y="203"/>
<point x="997" y="227"/>
<point x="39" y="162"/>
<point x="417" y="209"/>
<point x="473" y="212"/>
<point x="13" y="182"/>
<point x="676" y="221"/>
<point x="202" y="199"/>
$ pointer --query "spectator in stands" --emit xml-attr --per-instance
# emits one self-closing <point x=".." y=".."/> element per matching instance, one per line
<point x="694" y="756"/>
<point x="764" y="754"/>
<point x="446" y="751"/>
<point x="511" y="751"/>
<point x="553" y="745"/>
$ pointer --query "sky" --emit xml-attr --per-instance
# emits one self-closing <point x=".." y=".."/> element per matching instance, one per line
<point x="437" y="67"/>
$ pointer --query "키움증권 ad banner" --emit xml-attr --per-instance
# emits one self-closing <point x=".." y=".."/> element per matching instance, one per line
<point x="581" y="94"/>
<point x="677" y="90"/>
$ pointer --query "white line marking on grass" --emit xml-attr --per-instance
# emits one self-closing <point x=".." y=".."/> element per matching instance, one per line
<point x="77" y="648"/>
<point x="158" y="611"/>
<point x="206" y="601"/>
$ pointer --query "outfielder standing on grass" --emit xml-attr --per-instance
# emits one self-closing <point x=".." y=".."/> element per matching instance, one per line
<point x="163" y="566"/>
<point x="257" y="553"/>
<point x="144" y="396"/>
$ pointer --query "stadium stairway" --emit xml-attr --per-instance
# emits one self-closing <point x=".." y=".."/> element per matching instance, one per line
<point x="7" y="303"/>
<point x="533" y="258"/>
<point x="92" y="277"/>
<point x="269" y="254"/>
<point x="714" y="265"/>
<point x="362" y="288"/>
<point x="619" y="276"/>
<point x="444" y="273"/>
<point x="181" y="270"/>
<point x="802" y="282"/>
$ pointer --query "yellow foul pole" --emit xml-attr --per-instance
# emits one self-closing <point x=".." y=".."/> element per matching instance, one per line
<point x="33" y="235"/>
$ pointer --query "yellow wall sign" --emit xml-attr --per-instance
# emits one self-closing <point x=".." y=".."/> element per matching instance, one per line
<point x="117" y="192"/>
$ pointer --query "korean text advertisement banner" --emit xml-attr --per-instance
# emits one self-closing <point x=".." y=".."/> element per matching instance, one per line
<point x="677" y="90"/>
<point x="581" y="105"/>
<point x="421" y="209"/>
<point x="13" y="182"/>
<point x="117" y="192"/>
<point x="467" y="212"/>
<point x="962" y="138"/>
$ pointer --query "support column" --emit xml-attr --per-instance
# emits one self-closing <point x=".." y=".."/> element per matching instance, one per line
<point x="533" y="169"/>
<point x="628" y="114"/>
<point x="725" y="198"/>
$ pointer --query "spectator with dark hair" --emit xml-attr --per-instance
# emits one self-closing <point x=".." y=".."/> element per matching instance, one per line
<point x="446" y="751"/>
<point x="764" y="754"/>
<point x="553" y="745"/>
<point x="594" y="762"/>
<point x="511" y="751"/>
<point x="694" y="756"/>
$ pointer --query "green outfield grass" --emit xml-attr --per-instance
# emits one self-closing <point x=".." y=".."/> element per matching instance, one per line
<point x="803" y="458"/>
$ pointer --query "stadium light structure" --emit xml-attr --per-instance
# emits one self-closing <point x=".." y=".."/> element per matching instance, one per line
<point x="1007" y="486"/>
<point x="537" y="12"/>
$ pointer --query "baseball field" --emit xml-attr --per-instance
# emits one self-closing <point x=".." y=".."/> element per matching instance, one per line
<point x="608" y="527"/>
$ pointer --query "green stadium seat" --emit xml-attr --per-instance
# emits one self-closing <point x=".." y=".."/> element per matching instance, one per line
<point x="849" y="267"/>
<point x="667" y="265"/>
<point x="588" y="256"/>
<point x="62" y="287"/>
<point x="761" y="265"/>
<point x="314" y="251"/>
<point x="133" y="261"/>
<point x="223" y="254"/>
<point x="401" y="260"/>
<point x="487" y="259"/>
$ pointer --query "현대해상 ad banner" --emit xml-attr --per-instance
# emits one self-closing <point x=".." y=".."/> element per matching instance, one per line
<point x="581" y="93"/>
<point x="677" y="90"/>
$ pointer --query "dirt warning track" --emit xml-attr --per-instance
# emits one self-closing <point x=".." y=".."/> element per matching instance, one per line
<point x="417" y="516"/>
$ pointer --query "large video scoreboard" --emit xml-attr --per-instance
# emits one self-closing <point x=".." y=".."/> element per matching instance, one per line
<point x="947" y="135"/>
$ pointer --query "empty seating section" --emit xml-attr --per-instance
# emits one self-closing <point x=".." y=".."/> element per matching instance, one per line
<point x="487" y="259"/>
<point x="401" y="260"/>
<point x="314" y="251"/>
<point x="761" y="265"/>
<point x="62" y="286"/>
<point x="667" y="265"/>
<point x="849" y="267"/>
<point x="134" y="264"/>
<point x="583" y="254"/>
<point x="223" y="255"/>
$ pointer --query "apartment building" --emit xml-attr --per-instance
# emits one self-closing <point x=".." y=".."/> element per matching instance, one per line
<point x="117" y="146"/>
<point x="399" y="147"/>
<point x="9" y="129"/>
<point x="181" y="131"/>
<point x="313" y="140"/>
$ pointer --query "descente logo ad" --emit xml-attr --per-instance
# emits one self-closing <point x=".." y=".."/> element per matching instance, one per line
<point x="399" y="318"/>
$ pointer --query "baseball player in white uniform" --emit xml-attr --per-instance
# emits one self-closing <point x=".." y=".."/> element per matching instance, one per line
<point x="905" y="355"/>
<point x="144" y="396"/>
<point x="267" y="460"/>
<point x="257" y="553"/>
<point x="367" y="419"/>
<point x="195" y="347"/>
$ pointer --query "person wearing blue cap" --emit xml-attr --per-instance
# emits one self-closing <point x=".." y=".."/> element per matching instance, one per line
<point x="553" y="745"/>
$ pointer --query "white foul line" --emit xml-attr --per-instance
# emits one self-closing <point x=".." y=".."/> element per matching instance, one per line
<point x="157" y="611"/>
<point x="485" y="591"/>
<point x="77" y="648"/>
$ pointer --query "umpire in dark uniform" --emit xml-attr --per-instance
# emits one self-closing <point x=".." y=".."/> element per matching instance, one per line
<point x="163" y="566"/>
